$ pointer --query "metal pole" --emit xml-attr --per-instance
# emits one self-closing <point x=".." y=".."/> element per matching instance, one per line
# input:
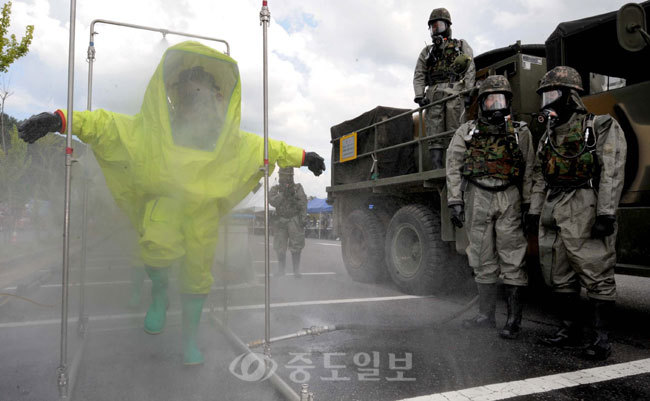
<point x="265" y="18"/>
<point x="163" y="31"/>
<point x="276" y="381"/>
<point x="63" y="368"/>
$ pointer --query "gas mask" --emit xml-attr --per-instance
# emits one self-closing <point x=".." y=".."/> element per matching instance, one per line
<point x="555" y="107"/>
<point x="494" y="108"/>
<point x="438" y="30"/>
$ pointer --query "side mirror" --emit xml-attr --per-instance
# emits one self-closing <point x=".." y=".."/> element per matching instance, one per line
<point x="631" y="27"/>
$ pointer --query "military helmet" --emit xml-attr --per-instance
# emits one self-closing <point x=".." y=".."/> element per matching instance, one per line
<point x="286" y="171"/>
<point x="440" y="13"/>
<point x="495" y="84"/>
<point x="561" y="76"/>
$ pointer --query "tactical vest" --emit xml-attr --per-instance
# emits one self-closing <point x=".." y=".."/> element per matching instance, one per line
<point x="439" y="62"/>
<point x="573" y="162"/>
<point x="290" y="205"/>
<point x="490" y="155"/>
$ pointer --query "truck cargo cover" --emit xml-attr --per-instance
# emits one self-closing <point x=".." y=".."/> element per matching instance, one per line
<point x="390" y="163"/>
<point x="591" y="45"/>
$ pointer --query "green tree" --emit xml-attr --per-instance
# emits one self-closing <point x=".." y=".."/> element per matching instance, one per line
<point x="10" y="50"/>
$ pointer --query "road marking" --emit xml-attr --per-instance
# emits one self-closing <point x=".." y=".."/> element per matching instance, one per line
<point x="325" y="243"/>
<point x="304" y="274"/>
<point x="543" y="384"/>
<point x="231" y="308"/>
<point x="93" y="283"/>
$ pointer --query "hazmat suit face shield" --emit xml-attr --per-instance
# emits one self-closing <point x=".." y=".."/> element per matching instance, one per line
<point x="495" y="107"/>
<point x="198" y="91"/>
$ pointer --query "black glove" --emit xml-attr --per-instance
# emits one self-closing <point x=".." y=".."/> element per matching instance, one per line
<point x="531" y="224"/>
<point x="35" y="127"/>
<point x="603" y="226"/>
<point x="457" y="215"/>
<point x="422" y="101"/>
<point x="314" y="163"/>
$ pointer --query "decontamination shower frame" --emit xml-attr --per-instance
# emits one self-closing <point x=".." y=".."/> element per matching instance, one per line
<point x="67" y="376"/>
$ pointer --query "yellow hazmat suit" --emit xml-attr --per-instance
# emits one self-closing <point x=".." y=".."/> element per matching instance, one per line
<point x="174" y="192"/>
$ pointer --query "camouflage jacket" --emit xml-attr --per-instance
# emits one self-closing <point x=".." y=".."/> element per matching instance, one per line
<point x="610" y="155"/>
<point x="461" y="144"/>
<point x="289" y="204"/>
<point x="426" y="73"/>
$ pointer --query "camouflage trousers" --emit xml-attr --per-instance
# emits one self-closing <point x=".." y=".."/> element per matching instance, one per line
<point x="569" y="257"/>
<point x="444" y="116"/>
<point x="497" y="246"/>
<point x="288" y="233"/>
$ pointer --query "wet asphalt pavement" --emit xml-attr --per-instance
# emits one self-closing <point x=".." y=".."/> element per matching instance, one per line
<point x="398" y="350"/>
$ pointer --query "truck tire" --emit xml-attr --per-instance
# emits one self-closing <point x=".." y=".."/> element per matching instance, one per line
<point x="417" y="258"/>
<point x="362" y="245"/>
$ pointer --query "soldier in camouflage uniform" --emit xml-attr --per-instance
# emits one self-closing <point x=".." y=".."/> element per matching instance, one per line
<point x="578" y="180"/>
<point x="444" y="68"/>
<point x="489" y="166"/>
<point x="290" y="204"/>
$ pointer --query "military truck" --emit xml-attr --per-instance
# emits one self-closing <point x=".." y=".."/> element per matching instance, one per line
<point x="390" y="206"/>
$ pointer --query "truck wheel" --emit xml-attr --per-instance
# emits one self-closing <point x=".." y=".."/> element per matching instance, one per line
<point x="362" y="245"/>
<point x="417" y="257"/>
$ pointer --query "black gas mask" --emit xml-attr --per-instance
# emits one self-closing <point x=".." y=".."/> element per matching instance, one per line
<point x="494" y="108"/>
<point x="556" y="106"/>
<point x="439" y="31"/>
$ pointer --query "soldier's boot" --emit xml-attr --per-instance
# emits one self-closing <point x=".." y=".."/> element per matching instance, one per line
<point x="436" y="158"/>
<point x="570" y="332"/>
<point x="515" y="308"/>
<point x="192" y="308"/>
<point x="599" y="347"/>
<point x="295" y="259"/>
<point x="487" y="298"/>
<point x="154" y="321"/>
<point x="282" y="261"/>
<point x="137" y="281"/>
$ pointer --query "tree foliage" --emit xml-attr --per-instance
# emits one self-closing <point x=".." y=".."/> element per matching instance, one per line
<point x="10" y="48"/>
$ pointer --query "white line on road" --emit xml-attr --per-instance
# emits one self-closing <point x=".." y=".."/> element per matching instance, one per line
<point x="232" y="308"/>
<point x="325" y="243"/>
<point x="543" y="384"/>
<point x="304" y="274"/>
<point x="95" y="283"/>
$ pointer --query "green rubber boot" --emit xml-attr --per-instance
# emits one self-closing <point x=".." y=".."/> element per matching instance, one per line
<point x="154" y="322"/>
<point x="137" y="280"/>
<point x="192" y="308"/>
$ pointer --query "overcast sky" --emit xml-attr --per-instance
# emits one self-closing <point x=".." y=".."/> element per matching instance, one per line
<point x="329" y="61"/>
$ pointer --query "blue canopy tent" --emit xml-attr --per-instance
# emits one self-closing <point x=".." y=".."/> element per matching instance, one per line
<point x="319" y="207"/>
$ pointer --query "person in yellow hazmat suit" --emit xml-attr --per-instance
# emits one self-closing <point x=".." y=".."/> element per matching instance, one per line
<point x="176" y="167"/>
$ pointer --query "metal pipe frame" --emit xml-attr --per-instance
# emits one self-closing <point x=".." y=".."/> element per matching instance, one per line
<point x="62" y="370"/>
<point x="66" y="377"/>
<point x="265" y="19"/>
<point x="276" y="381"/>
